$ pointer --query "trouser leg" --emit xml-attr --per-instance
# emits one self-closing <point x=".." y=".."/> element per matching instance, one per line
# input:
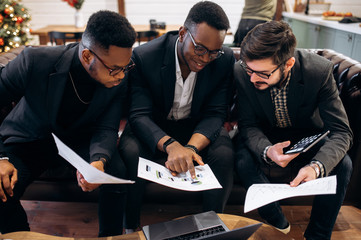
<point x="325" y="208"/>
<point x="220" y="157"/>
<point x="250" y="172"/>
<point x="30" y="160"/>
<point x="112" y="199"/>
<point x="244" y="26"/>
<point x="129" y="148"/>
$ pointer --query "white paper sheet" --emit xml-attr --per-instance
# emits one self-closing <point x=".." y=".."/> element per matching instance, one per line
<point x="90" y="173"/>
<point x="259" y="195"/>
<point x="157" y="173"/>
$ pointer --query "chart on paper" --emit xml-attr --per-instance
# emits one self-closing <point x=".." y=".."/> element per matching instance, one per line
<point x="157" y="173"/>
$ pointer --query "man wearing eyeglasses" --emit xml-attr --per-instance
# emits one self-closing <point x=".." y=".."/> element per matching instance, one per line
<point x="76" y="92"/>
<point x="180" y="92"/>
<point x="283" y="95"/>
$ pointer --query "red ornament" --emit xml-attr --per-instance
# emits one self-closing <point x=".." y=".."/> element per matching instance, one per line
<point x="7" y="11"/>
<point x="2" y="42"/>
<point x="1" y="18"/>
<point x="20" y="20"/>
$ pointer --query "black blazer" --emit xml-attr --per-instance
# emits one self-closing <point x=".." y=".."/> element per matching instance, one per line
<point x="313" y="104"/>
<point x="36" y="79"/>
<point x="152" y="90"/>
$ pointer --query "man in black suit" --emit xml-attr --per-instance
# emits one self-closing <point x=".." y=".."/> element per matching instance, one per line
<point x="286" y="94"/>
<point x="179" y="99"/>
<point x="76" y="92"/>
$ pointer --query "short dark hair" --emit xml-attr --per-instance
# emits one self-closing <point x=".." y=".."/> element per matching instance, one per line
<point x="273" y="39"/>
<point x="208" y="12"/>
<point x="106" y="28"/>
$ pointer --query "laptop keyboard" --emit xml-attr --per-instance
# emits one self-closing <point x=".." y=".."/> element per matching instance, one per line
<point x="198" y="234"/>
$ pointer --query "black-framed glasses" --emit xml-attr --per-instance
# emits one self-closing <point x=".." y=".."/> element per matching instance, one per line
<point x="117" y="70"/>
<point x="202" y="50"/>
<point x="259" y="74"/>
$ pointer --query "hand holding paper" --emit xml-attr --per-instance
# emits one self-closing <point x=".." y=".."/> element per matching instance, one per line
<point x="90" y="173"/>
<point x="259" y="195"/>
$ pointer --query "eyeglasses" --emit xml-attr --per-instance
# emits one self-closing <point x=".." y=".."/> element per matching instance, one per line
<point x="202" y="50"/>
<point x="117" y="70"/>
<point x="260" y="74"/>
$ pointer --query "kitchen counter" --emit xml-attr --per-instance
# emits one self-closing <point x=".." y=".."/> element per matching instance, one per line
<point x="317" y="19"/>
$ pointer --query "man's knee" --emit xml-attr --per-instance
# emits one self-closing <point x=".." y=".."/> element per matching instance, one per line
<point x="243" y="159"/>
<point x="222" y="151"/>
<point x="343" y="170"/>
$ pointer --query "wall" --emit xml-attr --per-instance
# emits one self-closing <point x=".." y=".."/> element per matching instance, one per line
<point x="47" y="12"/>
<point x="353" y="6"/>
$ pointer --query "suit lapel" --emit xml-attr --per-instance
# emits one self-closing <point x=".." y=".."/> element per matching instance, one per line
<point x="56" y="84"/>
<point x="168" y="76"/>
<point x="265" y="100"/>
<point x="296" y="92"/>
<point x="200" y="89"/>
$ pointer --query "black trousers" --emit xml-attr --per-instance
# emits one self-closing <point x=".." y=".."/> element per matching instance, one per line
<point x="325" y="208"/>
<point x="244" y="26"/>
<point x="218" y="155"/>
<point x="33" y="158"/>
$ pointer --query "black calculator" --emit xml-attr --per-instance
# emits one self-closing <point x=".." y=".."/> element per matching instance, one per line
<point x="306" y="143"/>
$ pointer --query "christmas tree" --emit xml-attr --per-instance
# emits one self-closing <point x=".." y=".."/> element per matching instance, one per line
<point x="14" y="24"/>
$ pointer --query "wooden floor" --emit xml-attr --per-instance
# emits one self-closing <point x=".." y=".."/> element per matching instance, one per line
<point x="80" y="219"/>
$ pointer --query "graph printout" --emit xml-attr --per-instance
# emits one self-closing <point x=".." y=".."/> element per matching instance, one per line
<point x="157" y="173"/>
<point x="259" y="195"/>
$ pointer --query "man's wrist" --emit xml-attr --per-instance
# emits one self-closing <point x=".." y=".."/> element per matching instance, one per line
<point x="315" y="167"/>
<point x="264" y="156"/>
<point x="192" y="147"/>
<point x="320" y="166"/>
<point x="167" y="143"/>
<point x="103" y="160"/>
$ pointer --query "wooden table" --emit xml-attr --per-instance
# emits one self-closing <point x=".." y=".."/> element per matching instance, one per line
<point x="265" y="232"/>
<point x="44" y="38"/>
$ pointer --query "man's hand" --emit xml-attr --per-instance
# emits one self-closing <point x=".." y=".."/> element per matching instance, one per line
<point x="275" y="153"/>
<point x="8" y="178"/>
<point x="180" y="159"/>
<point x="85" y="186"/>
<point x="307" y="173"/>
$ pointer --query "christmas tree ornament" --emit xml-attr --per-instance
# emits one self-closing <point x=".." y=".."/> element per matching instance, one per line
<point x="14" y="22"/>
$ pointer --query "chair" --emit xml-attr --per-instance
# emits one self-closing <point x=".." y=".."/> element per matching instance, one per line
<point x="146" y="35"/>
<point x="56" y="37"/>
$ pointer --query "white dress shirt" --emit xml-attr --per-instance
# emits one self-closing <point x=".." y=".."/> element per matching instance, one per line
<point x="183" y="93"/>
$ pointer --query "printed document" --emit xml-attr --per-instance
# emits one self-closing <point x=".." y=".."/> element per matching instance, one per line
<point x="90" y="173"/>
<point x="259" y="195"/>
<point x="157" y="173"/>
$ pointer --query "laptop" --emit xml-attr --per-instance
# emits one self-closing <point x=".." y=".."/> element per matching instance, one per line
<point x="205" y="225"/>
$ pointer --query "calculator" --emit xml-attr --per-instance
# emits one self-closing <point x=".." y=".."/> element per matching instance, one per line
<point x="306" y="143"/>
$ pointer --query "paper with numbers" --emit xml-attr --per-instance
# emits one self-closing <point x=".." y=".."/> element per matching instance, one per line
<point x="90" y="173"/>
<point x="259" y="195"/>
<point x="157" y="173"/>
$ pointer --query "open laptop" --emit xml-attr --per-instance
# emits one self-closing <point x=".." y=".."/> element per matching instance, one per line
<point x="205" y="225"/>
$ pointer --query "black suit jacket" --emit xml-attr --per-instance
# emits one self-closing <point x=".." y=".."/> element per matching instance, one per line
<point x="36" y="80"/>
<point x="313" y="105"/>
<point x="152" y="91"/>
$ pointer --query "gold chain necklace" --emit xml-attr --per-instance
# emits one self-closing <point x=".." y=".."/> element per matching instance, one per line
<point x="76" y="92"/>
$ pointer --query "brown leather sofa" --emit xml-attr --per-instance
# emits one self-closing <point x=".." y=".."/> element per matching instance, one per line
<point x="59" y="184"/>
